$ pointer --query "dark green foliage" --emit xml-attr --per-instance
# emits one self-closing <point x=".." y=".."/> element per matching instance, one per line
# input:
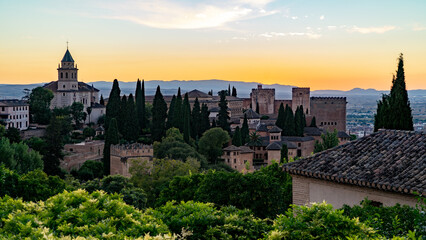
<point x="36" y="186"/>
<point x="196" y="120"/>
<point x="159" y="115"/>
<point x="205" y="121"/>
<point x="18" y="157"/>
<point x="186" y="119"/>
<point x="177" y="112"/>
<point x="111" y="137"/>
<point x="236" y="139"/>
<point x="328" y="140"/>
<point x="281" y="118"/>
<point x="394" y="111"/>
<point x="89" y="132"/>
<point x="55" y="132"/>
<point x="89" y="111"/>
<point x="122" y="117"/>
<point x="313" y="122"/>
<point x="181" y="188"/>
<point x="13" y="135"/>
<point x="211" y="143"/>
<point x="9" y="182"/>
<point x="140" y="104"/>
<point x="284" y="154"/>
<point x="102" y="101"/>
<point x="170" y="114"/>
<point x="214" y="123"/>
<point x="389" y="221"/>
<point x="131" y="128"/>
<point x="254" y="139"/>
<point x="234" y="91"/>
<point x="228" y="93"/>
<point x="39" y="102"/>
<point x="90" y="170"/>
<point x="298" y="121"/>
<point x="114" y="103"/>
<point x="245" y="132"/>
<point x="36" y="144"/>
<point x="289" y="126"/>
<point x="318" y="222"/>
<point x="223" y="116"/>
<point x="77" y="113"/>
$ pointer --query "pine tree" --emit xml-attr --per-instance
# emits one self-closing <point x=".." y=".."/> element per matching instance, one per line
<point x="234" y="91"/>
<point x="132" y="124"/>
<point x="205" y="120"/>
<point x="177" y="113"/>
<point x="394" y="111"/>
<point x="284" y="153"/>
<point x="140" y="105"/>
<point x="111" y="137"/>
<point x="245" y="132"/>
<point x="223" y="116"/>
<point x="313" y="122"/>
<point x="236" y="139"/>
<point x="159" y="115"/>
<point x="114" y="102"/>
<point x="186" y="119"/>
<point x="280" y="119"/>
<point x="289" y="128"/>
<point x="196" y="120"/>
<point x="122" y="117"/>
<point x="170" y="114"/>
<point x="102" y="101"/>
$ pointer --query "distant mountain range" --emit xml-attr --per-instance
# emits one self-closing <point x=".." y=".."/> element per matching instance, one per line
<point x="355" y="96"/>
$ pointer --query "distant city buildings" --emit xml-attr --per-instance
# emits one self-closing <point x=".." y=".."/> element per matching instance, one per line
<point x="15" y="113"/>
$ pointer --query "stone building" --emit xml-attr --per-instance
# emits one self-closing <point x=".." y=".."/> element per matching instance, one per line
<point x="239" y="158"/>
<point x="14" y="113"/>
<point x="77" y="154"/>
<point x="67" y="89"/>
<point x="387" y="167"/>
<point x="121" y="156"/>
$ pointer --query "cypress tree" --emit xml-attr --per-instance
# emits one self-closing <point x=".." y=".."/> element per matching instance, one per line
<point x="177" y="112"/>
<point x="280" y="118"/>
<point x="289" y="128"/>
<point x="196" y="119"/>
<point x="394" y="111"/>
<point x="245" y="132"/>
<point x="111" y="137"/>
<point x="313" y="122"/>
<point x="132" y="124"/>
<point x="223" y="116"/>
<point x="170" y="114"/>
<point x="140" y="105"/>
<point x="159" y="115"/>
<point x="186" y="119"/>
<point x="114" y="102"/>
<point x="205" y="120"/>
<point x="145" y="119"/>
<point x="236" y="139"/>
<point x="297" y="122"/>
<point x="284" y="153"/>
<point x="122" y="117"/>
<point x="234" y="91"/>
<point x="229" y="90"/>
<point x="102" y="101"/>
<point x="302" y="114"/>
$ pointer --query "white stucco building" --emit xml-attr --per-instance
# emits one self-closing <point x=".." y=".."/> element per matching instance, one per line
<point x="14" y="113"/>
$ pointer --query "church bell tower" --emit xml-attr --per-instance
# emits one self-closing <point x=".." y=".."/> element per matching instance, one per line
<point x="67" y="73"/>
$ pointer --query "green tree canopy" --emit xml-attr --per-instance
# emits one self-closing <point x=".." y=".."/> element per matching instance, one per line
<point x="211" y="143"/>
<point x="77" y="113"/>
<point x="39" y="102"/>
<point x="328" y="140"/>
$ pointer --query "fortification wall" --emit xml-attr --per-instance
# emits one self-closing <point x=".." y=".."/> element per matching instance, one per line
<point x="265" y="97"/>
<point x="284" y="102"/>
<point x="120" y="155"/>
<point x="329" y="112"/>
<point x="301" y="96"/>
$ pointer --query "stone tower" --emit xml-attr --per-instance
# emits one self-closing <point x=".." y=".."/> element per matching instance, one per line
<point x="301" y="96"/>
<point x="265" y="98"/>
<point x="67" y="73"/>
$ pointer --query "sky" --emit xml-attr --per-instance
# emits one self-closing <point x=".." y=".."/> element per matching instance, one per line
<point x="325" y="44"/>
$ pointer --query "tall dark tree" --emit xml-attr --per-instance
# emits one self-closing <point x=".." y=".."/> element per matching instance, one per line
<point x="284" y="154"/>
<point x="205" y="120"/>
<point x="54" y="144"/>
<point x="313" y="122"/>
<point x="102" y="101"/>
<point x="302" y="113"/>
<point x="280" y="118"/>
<point x="111" y="138"/>
<point x="223" y="116"/>
<point x="229" y="90"/>
<point x="298" y="121"/>
<point x="89" y="112"/>
<point x="196" y="120"/>
<point x="132" y="124"/>
<point x="159" y="115"/>
<point x="170" y="114"/>
<point x="245" y="132"/>
<point x="289" y="128"/>
<point x="177" y="112"/>
<point x="236" y="139"/>
<point x="114" y="103"/>
<point x="122" y="117"/>
<point x="186" y="118"/>
<point x="234" y="91"/>
<point x="394" y="111"/>
<point x="140" y="104"/>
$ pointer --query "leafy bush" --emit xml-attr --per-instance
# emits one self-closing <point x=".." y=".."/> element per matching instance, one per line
<point x="89" y="170"/>
<point x="319" y="221"/>
<point x="76" y="214"/>
<point x="389" y="221"/>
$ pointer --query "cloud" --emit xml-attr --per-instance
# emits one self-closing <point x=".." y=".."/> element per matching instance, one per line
<point x="367" y="30"/>
<point x="418" y="27"/>
<point x="322" y="17"/>
<point x="171" y="14"/>
<point x="310" y="35"/>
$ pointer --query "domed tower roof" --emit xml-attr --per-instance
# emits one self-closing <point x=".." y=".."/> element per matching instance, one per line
<point x="67" y="57"/>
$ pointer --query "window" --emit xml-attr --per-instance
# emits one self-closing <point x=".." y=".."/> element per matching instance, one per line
<point x="299" y="144"/>
<point x="235" y="160"/>
<point x="64" y="85"/>
<point x="63" y="94"/>
<point x="2" y="108"/>
<point x="62" y="75"/>
<point x="66" y="75"/>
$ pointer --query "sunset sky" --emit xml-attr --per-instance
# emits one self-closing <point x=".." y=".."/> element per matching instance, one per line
<point x="323" y="44"/>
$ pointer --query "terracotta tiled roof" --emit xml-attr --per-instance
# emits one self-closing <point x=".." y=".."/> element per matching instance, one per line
<point x="389" y="160"/>
<point x="251" y="114"/>
<point x="242" y="149"/>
